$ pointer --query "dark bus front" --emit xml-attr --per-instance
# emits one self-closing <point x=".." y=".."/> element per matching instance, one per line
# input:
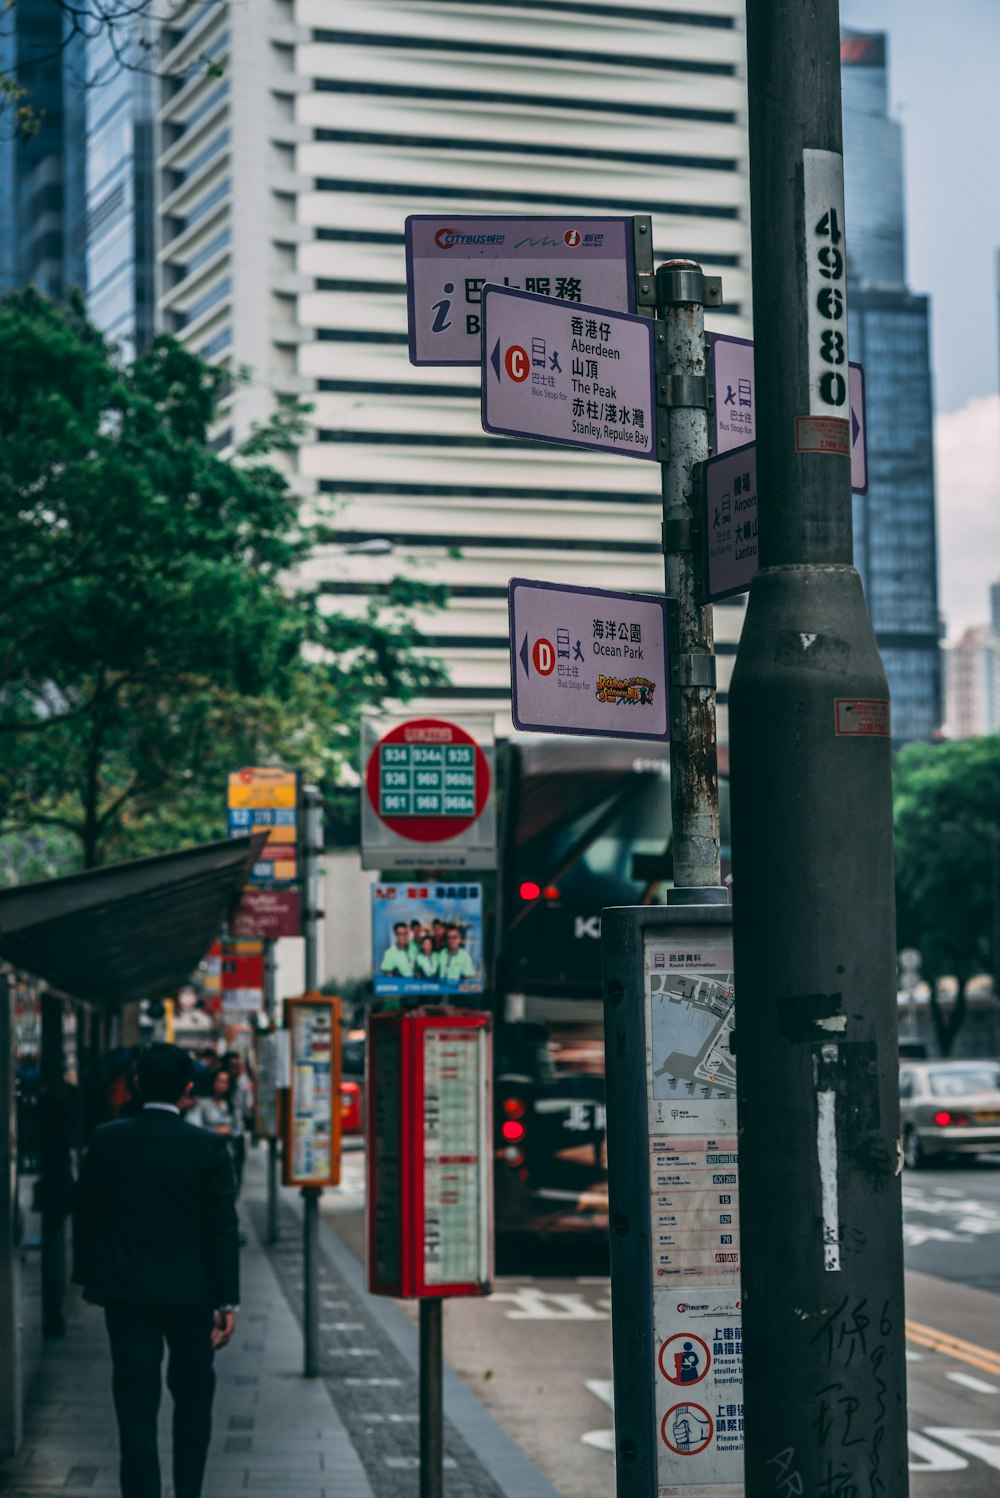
<point x="586" y="823"/>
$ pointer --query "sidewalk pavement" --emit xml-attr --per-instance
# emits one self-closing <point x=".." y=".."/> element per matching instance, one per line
<point x="351" y="1433"/>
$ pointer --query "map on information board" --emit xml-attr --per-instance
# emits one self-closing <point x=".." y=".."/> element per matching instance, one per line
<point x="691" y="1021"/>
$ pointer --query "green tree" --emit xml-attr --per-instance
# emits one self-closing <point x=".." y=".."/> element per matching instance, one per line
<point x="155" y="630"/>
<point x="947" y="822"/>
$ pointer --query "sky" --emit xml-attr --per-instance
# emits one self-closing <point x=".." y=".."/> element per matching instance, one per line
<point x="943" y="66"/>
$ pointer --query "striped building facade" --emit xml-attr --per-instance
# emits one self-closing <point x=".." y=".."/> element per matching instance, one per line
<point x="285" y="184"/>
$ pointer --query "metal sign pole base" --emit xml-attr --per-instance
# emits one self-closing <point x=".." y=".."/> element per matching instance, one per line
<point x="310" y="1280"/>
<point x="272" y="1191"/>
<point x="431" y="1399"/>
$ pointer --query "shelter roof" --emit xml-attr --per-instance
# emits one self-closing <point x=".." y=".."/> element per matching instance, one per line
<point x="128" y="931"/>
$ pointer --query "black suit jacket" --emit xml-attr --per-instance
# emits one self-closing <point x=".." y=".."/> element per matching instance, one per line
<point x="155" y="1215"/>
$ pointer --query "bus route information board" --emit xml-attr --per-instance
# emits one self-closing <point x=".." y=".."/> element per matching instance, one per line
<point x="312" y="1105"/>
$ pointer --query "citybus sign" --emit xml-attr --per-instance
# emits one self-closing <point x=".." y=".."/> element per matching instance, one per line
<point x="428" y="799"/>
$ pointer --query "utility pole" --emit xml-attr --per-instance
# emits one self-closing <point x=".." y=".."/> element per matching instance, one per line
<point x="312" y="848"/>
<point x="824" y="1370"/>
<point x="681" y="294"/>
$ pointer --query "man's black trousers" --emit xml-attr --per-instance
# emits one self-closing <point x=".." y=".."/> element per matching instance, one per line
<point x="137" y="1331"/>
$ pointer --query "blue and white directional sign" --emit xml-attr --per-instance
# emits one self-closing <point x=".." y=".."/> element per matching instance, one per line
<point x="449" y="260"/>
<point x="735" y="403"/>
<point x="588" y="661"/>
<point x="579" y="376"/>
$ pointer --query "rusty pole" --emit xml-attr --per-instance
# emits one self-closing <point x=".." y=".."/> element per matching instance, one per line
<point x="681" y="294"/>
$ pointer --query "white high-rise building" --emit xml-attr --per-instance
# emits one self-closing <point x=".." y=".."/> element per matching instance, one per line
<point x="972" y="681"/>
<point x="285" y="182"/>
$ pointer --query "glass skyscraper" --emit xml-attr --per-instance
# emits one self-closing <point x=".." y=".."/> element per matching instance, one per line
<point x="118" y="186"/>
<point x="38" y="245"/>
<point x="895" y="540"/>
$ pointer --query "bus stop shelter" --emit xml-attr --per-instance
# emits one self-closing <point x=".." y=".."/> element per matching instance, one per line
<point x="99" y="941"/>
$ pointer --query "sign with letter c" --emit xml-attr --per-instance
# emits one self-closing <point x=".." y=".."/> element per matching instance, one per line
<point x="516" y="363"/>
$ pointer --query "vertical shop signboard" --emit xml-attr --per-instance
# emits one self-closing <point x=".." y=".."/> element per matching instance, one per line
<point x="312" y="1101"/>
<point x="673" y="1160"/>
<point x="430" y="1201"/>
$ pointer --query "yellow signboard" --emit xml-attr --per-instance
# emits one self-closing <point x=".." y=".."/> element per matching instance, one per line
<point x="260" y="788"/>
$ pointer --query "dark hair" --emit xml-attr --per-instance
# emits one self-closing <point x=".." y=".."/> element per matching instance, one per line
<point x="164" y="1072"/>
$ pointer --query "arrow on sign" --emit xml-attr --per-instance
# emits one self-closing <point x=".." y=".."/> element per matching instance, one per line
<point x="495" y="359"/>
<point x="524" y="654"/>
<point x="855" y="426"/>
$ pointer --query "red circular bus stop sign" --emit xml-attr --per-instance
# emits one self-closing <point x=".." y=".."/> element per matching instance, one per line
<point x="427" y="780"/>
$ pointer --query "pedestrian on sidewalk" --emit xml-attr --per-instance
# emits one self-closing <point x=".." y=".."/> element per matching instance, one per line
<point x="155" y="1244"/>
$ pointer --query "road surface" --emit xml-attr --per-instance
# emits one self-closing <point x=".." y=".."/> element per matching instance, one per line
<point x="538" y="1351"/>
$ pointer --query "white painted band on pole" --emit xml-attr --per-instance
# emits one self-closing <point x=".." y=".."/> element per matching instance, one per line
<point x="826" y="1151"/>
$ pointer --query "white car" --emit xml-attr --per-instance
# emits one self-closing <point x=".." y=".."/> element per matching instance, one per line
<point x="948" y="1108"/>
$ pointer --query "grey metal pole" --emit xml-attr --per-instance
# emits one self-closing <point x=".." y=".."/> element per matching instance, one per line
<point x="54" y="1168"/>
<point x="271" y="1006"/>
<point x="431" y="1399"/>
<point x="681" y="293"/>
<point x="824" y="1370"/>
<point x="312" y="848"/>
<point x="310" y="1279"/>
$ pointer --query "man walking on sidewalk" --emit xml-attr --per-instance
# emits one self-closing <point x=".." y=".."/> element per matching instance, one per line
<point x="155" y="1244"/>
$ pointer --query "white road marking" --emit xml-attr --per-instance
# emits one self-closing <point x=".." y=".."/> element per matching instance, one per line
<point x="544" y="1305"/>
<point x="410" y="1463"/>
<point x="593" y="1279"/>
<point x="604" y="1389"/>
<point x="931" y="1456"/>
<point x="601" y="1440"/>
<point x="976" y="1384"/>
<point x="982" y="1443"/>
<point x="341" y="1326"/>
<point x="385" y="1383"/>
<point x="914" y="1357"/>
<point x="377" y="1418"/>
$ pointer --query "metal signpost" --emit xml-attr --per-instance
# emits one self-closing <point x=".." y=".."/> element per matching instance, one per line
<point x="735" y="401"/>
<point x="311" y="1157"/>
<point x="588" y="661"/>
<point x="430" y="1182"/>
<point x="449" y="260"/>
<point x="579" y="376"/>
<point x="429" y="798"/>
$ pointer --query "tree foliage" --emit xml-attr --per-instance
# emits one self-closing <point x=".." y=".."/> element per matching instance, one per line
<point x="947" y="822"/>
<point x="155" y="628"/>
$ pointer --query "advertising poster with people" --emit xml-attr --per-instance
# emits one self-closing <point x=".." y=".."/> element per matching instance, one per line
<point x="427" y="939"/>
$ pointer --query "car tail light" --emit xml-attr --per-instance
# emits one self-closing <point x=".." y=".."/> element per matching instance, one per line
<point x="512" y="1130"/>
<point x="959" y="1120"/>
<point x="515" y="1107"/>
<point x="530" y="890"/>
<point x="551" y="892"/>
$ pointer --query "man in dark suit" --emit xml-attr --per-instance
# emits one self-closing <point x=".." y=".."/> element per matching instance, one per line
<point x="155" y="1244"/>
